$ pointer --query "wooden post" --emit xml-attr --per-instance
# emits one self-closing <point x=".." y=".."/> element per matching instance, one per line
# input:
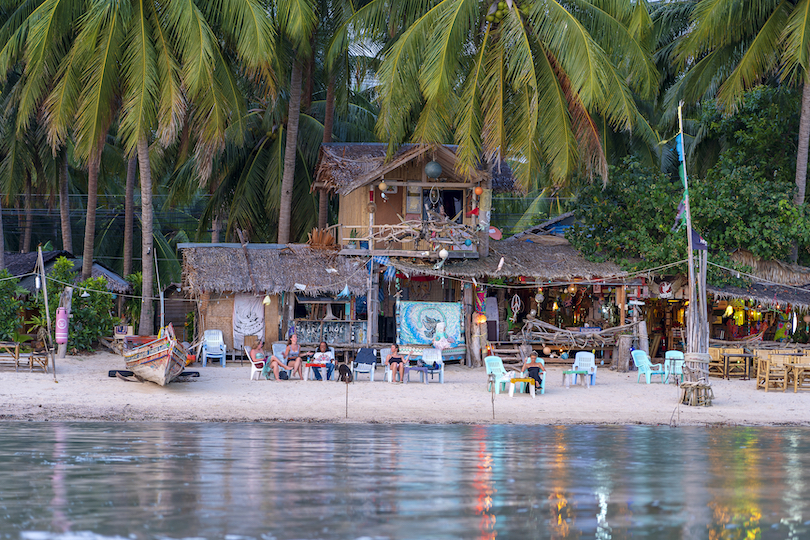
<point x="643" y="338"/>
<point x="48" y="342"/>
<point x="620" y="299"/>
<point x="622" y="359"/>
<point x="484" y="207"/>
<point x="467" y="313"/>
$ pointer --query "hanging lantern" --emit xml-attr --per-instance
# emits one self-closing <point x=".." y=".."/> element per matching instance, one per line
<point x="433" y="169"/>
<point x="479" y="190"/>
<point x="383" y="186"/>
<point x="266" y="300"/>
<point x="572" y="288"/>
<point x="443" y="253"/>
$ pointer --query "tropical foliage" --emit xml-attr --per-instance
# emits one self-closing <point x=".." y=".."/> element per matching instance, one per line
<point x="10" y="306"/>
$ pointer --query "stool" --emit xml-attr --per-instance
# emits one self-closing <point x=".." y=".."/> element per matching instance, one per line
<point x="530" y="382"/>
<point x="583" y="376"/>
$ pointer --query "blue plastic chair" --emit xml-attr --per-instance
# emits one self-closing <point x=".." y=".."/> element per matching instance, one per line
<point x="213" y="347"/>
<point x="645" y="367"/>
<point x="585" y="361"/>
<point x="365" y="362"/>
<point x="673" y="365"/>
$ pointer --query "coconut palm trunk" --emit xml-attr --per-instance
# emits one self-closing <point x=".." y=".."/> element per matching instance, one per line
<point x="328" y="122"/>
<point x="801" y="158"/>
<point x="146" y="324"/>
<point x="288" y="179"/>
<point x="90" y="222"/>
<point x="28" y="222"/>
<point x="129" y="213"/>
<point x="64" y="203"/>
<point x="2" y="238"/>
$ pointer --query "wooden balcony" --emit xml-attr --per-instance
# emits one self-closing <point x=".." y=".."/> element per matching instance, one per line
<point x="418" y="239"/>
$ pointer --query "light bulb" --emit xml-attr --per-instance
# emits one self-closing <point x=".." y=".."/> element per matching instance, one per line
<point x="266" y="300"/>
<point x="443" y="253"/>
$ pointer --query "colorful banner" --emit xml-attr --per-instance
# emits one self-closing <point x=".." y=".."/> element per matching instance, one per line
<point x="416" y="322"/>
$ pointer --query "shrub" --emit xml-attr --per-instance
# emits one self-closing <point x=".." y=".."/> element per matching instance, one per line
<point x="10" y="306"/>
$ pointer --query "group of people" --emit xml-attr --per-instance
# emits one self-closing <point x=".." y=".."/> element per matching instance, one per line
<point x="292" y="359"/>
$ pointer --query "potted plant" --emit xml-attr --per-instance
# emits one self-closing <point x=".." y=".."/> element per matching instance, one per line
<point x="352" y="236"/>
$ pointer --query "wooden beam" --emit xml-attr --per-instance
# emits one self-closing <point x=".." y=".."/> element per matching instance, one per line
<point x="454" y="254"/>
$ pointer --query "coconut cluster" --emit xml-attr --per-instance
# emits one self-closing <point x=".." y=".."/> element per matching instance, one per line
<point x="497" y="15"/>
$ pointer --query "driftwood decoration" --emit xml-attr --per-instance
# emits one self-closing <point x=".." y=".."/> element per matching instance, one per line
<point x="437" y="230"/>
<point x="548" y="334"/>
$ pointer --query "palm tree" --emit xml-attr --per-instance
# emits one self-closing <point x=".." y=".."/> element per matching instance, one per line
<point x="521" y="80"/>
<point x="296" y="20"/>
<point x="722" y="60"/>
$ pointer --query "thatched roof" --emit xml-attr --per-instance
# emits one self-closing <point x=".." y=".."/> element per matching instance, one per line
<point x="345" y="167"/>
<point x="773" y="271"/>
<point x="764" y="294"/>
<point x="22" y="264"/>
<point x="274" y="269"/>
<point x="553" y="259"/>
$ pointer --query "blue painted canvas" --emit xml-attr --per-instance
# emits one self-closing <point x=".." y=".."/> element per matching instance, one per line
<point x="416" y="322"/>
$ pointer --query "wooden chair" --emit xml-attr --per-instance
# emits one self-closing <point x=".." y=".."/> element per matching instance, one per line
<point x="772" y="373"/>
<point x="716" y="363"/>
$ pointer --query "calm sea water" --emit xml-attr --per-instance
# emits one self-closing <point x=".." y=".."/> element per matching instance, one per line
<point x="88" y="481"/>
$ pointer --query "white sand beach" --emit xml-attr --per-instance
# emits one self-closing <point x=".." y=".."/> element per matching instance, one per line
<point x="85" y="392"/>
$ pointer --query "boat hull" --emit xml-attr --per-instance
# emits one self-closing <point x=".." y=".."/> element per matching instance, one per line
<point x="159" y="361"/>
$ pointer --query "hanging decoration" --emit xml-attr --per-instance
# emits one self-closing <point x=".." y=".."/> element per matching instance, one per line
<point x="517" y="306"/>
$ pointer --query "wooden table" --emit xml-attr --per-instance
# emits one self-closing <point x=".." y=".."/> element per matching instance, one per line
<point x="799" y="372"/>
<point x="10" y="353"/>
<point x="745" y="374"/>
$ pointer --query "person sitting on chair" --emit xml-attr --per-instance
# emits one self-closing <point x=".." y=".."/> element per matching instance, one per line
<point x="323" y="356"/>
<point x="534" y="366"/>
<point x="258" y="356"/>
<point x="292" y="354"/>
<point x="397" y="363"/>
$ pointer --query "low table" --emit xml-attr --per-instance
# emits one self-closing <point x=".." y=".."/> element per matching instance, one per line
<point x="308" y="369"/>
<point x="423" y="373"/>
<point x="583" y="376"/>
<point x="529" y="381"/>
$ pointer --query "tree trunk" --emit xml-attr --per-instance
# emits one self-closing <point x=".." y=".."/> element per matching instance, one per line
<point x="64" y="203"/>
<point x="288" y="178"/>
<point x="90" y="221"/>
<point x="216" y="225"/>
<point x="129" y="213"/>
<point x="328" y="122"/>
<point x="28" y="223"/>
<point x="2" y="238"/>
<point x="146" y="325"/>
<point x="801" y="157"/>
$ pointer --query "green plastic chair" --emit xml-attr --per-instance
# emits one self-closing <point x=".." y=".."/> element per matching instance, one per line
<point x="673" y="365"/>
<point x="645" y="367"/>
<point x="495" y="367"/>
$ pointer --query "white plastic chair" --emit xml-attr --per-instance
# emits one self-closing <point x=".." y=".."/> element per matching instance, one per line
<point x="585" y="361"/>
<point x="254" y="368"/>
<point x="502" y="378"/>
<point x="309" y="371"/>
<point x="364" y="367"/>
<point x="430" y="357"/>
<point x="213" y="347"/>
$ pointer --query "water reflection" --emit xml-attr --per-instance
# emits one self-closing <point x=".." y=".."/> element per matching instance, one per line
<point x="321" y="481"/>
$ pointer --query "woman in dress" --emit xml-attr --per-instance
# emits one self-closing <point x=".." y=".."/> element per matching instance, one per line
<point x="259" y="359"/>
<point x="397" y="363"/>
<point x="292" y="355"/>
<point x="535" y="367"/>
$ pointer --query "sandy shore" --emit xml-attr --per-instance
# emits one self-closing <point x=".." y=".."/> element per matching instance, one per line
<point x="85" y="392"/>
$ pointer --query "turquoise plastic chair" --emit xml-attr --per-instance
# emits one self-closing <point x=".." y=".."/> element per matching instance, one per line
<point x="525" y="374"/>
<point x="645" y="367"/>
<point x="673" y="365"/>
<point x="495" y="367"/>
<point x="585" y="361"/>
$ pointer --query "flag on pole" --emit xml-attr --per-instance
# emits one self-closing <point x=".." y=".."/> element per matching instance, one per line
<point x="679" y="218"/>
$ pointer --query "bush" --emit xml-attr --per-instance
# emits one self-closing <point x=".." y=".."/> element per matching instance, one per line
<point x="10" y="306"/>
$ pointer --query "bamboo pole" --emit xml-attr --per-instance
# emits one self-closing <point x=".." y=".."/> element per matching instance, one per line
<point x="692" y="344"/>
<point x="49" y="343"/>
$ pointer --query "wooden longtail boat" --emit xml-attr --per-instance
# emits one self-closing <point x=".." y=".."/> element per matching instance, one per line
<point x="160" y="360"/>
